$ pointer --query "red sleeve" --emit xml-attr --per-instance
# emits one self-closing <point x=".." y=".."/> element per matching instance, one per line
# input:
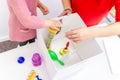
<point x="117" y="8"/>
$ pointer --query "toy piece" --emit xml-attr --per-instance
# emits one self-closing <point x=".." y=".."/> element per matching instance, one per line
<point x="21" y="59"/>
<point x="38" y="77"/>
<point x="52" y="33"/>
<point x="36" y="59"/>
<point x="55" y="57"/>
<point x="64" y="50"/>
<point x="32" y="75"/>
<point x="49" y="41"/>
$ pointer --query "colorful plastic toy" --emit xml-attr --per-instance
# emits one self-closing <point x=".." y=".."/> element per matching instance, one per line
<point x="52" y="33"/>
<point x="32" y="75"/>
<point x="64" y="50"/>
<point x="38" y="77"/>
<point x="21" y="59"/>
<point x="50" y="37"/>
<point x="54" y="56"/>
<point x="36" y="59"/>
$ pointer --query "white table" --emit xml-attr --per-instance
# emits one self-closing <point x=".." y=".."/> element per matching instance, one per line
<point x="94" y="68"/>
<point x="10" y="69"/>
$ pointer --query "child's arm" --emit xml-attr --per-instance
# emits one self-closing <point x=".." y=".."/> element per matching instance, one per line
<point x="21" y="11"/>
<point x="43" y="8"/>
<point x="23" y="14"/>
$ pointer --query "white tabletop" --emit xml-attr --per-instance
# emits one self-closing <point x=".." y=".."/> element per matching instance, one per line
<point x="94" y="68"/>
<point x="98" y="67"/>
<point x="10" y="69"/>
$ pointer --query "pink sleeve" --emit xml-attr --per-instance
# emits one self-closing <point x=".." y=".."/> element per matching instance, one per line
<point x="117" y="8"/>
<point x="24" y="15"/>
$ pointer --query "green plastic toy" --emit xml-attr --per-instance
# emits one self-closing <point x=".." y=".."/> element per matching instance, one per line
<point x="54" y="56"/>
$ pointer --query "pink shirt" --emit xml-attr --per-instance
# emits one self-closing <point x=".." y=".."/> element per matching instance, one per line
<point x="23" y="20"/>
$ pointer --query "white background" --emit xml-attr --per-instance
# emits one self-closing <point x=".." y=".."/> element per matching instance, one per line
<point x="55" y="7"/>
<point x="4" y="13"/>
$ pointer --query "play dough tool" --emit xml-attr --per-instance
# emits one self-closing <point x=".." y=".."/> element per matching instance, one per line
<point x="54" y="56"/>
<point x="21" y="59"/>
<point x="52" y="33"/>
<point x="64" y="50"/>
<point x="36" y="59"/>
<point x="32" y="75"/>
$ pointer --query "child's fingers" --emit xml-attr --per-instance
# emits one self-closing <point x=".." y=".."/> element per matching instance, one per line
<point x="57" y="28"/>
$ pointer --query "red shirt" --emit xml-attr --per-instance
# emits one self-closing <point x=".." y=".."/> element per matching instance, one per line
<point x="93" y="11"/>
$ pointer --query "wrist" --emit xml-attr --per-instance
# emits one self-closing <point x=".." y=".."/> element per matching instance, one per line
<point x="93" y="32"/>
<point x="68" y="9"/>
<point x="39" y="4"/>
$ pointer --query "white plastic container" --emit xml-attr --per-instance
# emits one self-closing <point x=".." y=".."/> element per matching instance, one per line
<point x="78" y="52"/>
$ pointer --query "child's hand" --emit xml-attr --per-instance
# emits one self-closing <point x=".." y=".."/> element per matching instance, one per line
<point x="43" y="8"/>
<point x="52" y="24"/>
<point x="79" y="34"/>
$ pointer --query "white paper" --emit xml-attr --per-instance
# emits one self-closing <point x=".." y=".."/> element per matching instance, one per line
<point x="112" y="48"/>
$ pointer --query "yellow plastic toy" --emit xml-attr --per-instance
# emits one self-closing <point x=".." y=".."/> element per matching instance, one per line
<point x="64" y="50"/>
<point x="32" y="75"/>
<point x="52" y="33"/>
